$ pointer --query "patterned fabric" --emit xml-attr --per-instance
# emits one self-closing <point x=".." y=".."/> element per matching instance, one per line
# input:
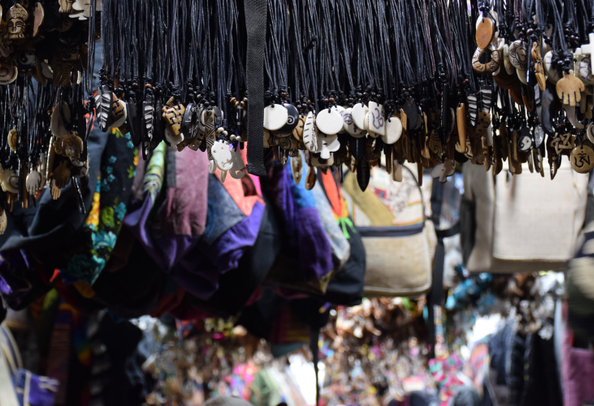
<point x="100" y="231"/>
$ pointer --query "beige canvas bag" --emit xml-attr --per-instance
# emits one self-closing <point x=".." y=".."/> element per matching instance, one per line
<point x="399" y="242"/>
<point x="522" y="223"/>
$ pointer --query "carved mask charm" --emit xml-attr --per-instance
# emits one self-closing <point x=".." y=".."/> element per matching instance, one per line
<point x="66" y="6"/>
<point x="72" y="146"/>
<point x="16" y="16"/>
<point x="173" y="113"/>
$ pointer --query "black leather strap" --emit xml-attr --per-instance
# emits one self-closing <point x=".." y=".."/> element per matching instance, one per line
<point x="256" y="15"/>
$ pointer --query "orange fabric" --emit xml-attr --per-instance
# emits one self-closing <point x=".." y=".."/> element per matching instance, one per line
<point x="333" y="192"/>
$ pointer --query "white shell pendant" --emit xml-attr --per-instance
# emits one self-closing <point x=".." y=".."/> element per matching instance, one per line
<point x="310" y="133"/>
<point x="275" y="117"/>
<point x="212" y="168"/>
<point x="341" y="110"/>
<point x="222" y="155"/>
<point x="329" y="121"/>
<point x="238" y="170"/>
<point x="376" y="118"/>
<point x="393" y="130"/>
<point x="359" y="113"/>
<point x="349" y="124"/>
<point x="327" y="144"/>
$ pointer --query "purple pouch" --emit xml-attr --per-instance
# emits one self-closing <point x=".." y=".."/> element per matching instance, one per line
<point x="35" y="390"/>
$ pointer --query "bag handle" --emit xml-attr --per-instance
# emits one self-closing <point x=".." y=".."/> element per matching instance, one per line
<point x="8" y="396"/>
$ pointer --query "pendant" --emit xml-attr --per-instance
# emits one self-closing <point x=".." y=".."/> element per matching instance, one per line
<point x="292" y="119"/>
<point x="297" y="169"/>
<point x="539" y="67"/>
<point x="310" y="133"/>
<point x="359" y="113"/>
<point x="329" y="121"/>
<point x="393" y="130"/>
<point x="104" y="102"/>
<point x="484" y="31"/>
<point x="582" y="159"/>
<point x="569" y="89"/>
<point x="275" y="117"/>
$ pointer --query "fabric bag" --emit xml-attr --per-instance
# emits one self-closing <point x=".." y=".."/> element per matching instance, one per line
<point x="19" y="387"/>
<point x="399" y="242"/>
<point x="521" y="223"/>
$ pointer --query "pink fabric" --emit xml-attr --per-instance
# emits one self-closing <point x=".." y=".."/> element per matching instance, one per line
<point x="577" y="370"/>
<point x="186" y="206"/>
<point x="235" y="189"/>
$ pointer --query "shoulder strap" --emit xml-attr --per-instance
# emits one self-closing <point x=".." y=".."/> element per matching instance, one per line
<point x="256" y="15"/>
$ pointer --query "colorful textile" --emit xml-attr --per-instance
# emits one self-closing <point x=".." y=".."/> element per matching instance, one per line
<point x="101" y="229"/>
<point x="307" y="238"/>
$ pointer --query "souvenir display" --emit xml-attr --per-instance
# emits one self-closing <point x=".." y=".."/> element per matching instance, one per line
<point x="295" y="202"/>
<point x="46" y="63"/>
<point x="502" y="79"/>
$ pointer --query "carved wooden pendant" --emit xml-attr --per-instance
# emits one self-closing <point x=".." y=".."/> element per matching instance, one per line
<point x="484" y="32"/>
<point x="539" y="67"/>
<point x="489" y="67"/>
<point x="582" y="159"/>
<point x="461" y="122"/>
<point x="569" y="89"/>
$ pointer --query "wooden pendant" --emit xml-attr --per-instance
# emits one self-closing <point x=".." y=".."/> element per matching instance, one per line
<point x="311" y="179"/>
<point x="484" y="32"/>
<point x="489" y="67"/>
<point x="461" y="122"/>
<point x="582" y="159"/>
<point x="539" y="67"/>
<point x="569" y="89"/>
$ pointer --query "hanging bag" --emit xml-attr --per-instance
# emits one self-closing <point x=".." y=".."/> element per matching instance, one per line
<point x="521" y="223"/>
<point x="399" y="242"/>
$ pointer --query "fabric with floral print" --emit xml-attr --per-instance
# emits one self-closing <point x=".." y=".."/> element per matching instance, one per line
<point x="104" y="222"/>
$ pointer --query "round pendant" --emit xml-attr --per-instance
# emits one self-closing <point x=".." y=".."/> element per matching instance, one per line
<point x="524" y="143"/>
<point x="329" y="121"/>
<point x="518" y="54"/>
<point x="342" y="111"/>
<point x="292" y="119"/>
<point x="359" y="112"/>
<point x="8" y="73"/>
<point x="538" y="136"/>
<point x="393" y="131"/>
<point x="275" y="117"/>
<point x="310" y="133"/>
<point x="582" y="159"/>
